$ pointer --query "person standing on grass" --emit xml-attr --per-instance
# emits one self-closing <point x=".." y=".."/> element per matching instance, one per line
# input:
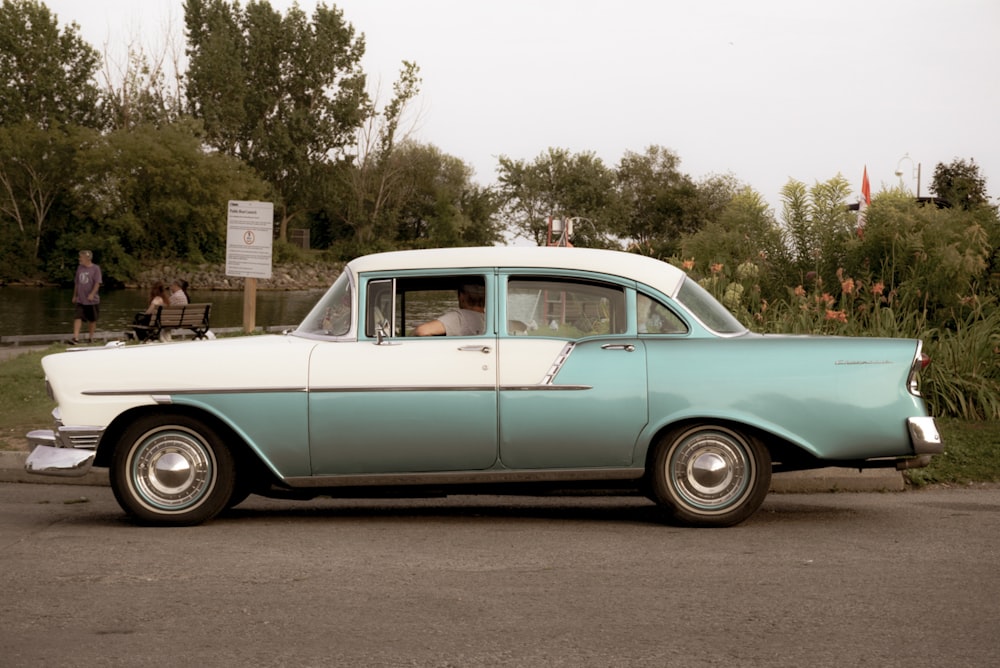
<point x="85" y="297"/>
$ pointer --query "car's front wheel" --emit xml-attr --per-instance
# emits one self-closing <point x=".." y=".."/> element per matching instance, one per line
<point x="709" y="475"/>
<point x="172" y="470"/>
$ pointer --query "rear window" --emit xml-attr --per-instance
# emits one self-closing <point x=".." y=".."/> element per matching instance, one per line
<point x="707" y="309"/>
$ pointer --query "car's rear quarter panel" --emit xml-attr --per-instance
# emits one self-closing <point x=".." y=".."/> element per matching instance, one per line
<point x="836" y="398"/>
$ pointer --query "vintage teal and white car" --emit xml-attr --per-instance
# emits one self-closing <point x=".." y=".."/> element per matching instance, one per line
<point x="591" y="369"/>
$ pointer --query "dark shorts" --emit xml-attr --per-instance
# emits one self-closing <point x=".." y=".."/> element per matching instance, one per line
<point x="87" y="312"/>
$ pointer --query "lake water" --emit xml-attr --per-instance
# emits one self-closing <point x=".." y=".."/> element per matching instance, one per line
<point x="26" y="310"/>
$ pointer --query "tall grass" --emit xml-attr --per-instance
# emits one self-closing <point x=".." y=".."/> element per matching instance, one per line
<point x="963" y="380"/>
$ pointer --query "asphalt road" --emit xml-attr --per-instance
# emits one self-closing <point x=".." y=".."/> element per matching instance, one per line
<point x="902" y="579"/>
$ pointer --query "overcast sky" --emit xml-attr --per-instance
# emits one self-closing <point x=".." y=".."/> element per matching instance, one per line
<point x="766" y="90"/>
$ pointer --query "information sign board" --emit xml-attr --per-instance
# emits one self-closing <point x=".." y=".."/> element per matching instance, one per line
<point x="249" y="239"/>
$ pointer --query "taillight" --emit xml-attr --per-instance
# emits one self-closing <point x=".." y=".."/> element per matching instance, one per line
<point x="920" y="362"/>
<point x="924" y="360"/>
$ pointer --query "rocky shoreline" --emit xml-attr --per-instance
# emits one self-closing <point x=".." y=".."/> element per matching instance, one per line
<point x="296" y="276"/>
<point x="213" y="277"/>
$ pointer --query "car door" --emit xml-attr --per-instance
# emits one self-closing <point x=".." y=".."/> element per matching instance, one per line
<point x="392" y="402"/>
<point x="572" y="374"/>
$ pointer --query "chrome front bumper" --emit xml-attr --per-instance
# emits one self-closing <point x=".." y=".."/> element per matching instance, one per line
<point x="48" y="458"/>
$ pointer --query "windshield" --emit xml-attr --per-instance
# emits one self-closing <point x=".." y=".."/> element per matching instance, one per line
<point x="707" y="309"/>
<point x="332" y="314"/>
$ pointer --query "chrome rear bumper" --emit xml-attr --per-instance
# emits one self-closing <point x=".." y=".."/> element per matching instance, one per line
<point x="925" y="436"/>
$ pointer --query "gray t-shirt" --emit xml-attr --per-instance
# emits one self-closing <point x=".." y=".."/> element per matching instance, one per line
<point x="463" y="322"/>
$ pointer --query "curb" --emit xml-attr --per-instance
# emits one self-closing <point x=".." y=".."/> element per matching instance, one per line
<point x="831" y="479"/>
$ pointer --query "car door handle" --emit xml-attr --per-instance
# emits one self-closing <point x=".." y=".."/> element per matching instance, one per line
<point x="627" y="347"/>
<point x="476" y="349"/>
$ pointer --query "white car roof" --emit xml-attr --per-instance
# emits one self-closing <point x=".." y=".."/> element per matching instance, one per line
<point x="660" y="275"/>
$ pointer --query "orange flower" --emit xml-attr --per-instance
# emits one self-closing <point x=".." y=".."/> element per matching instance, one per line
<point x="839" y="316"/>
<point x="827" y="299"/>
<point x="847" y="286"/>
<point x="800" y="291"/>
<point x="878" y="288"/>
<point x="687" y="265"/>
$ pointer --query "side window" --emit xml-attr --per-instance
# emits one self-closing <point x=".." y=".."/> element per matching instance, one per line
<point x="427" y="306"/>
<point x="655" y="318"/>
<point x="564" y="308"/>
<point x="379" y="313"/>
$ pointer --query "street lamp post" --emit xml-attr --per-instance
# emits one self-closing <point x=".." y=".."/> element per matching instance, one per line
<point x="915" y="166"/>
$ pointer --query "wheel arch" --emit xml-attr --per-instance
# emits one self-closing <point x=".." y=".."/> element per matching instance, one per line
<point x="243" y="454"/>
<point x="785" y="454"/>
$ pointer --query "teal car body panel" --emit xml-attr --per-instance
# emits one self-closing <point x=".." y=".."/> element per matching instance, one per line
<point x="593" y="422"/>
<point x="273" y="424"/>
<point x="849" y="400"/>
<point x="432" y="430"/>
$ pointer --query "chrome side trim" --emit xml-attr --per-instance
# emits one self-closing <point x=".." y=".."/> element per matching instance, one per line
<point x="164" y="396"/>
<point x="558" y="363"/>
<point x="66" y="438"/>
<point x="159" y="393"/>
<point x="546" y="388"/>
<point x="406" y="388"/>
<point x="78" y="436"/>
<point x="464" y="477"/>
<point x="64" y="462"/>
<point x="925" y="436"/>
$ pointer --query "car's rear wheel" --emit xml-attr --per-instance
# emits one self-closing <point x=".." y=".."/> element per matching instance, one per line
<point x="709" y="475"/>
<point x="172" y="470"/>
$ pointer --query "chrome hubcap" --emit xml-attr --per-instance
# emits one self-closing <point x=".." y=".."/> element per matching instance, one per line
<point x="172" y="470"/>
<point x="711" y="470"/>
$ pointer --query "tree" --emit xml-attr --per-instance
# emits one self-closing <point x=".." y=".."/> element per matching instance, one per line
<point x="46" y="76"/>
<point x="363" y="186"/>
<point x="47" y="102"/>
<point x="36" y="168"/>
<point x="561" y="185"/>
<point x="659" y="203"/>
<point x="436" y="203"/>
<point x="157" y="194"/>
<point x="283" y="94"/>
<point x="139" y="93"/>
<point x="960" y="184"/>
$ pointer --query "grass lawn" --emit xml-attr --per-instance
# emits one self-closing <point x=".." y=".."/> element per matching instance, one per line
<point x="972" y="449"/>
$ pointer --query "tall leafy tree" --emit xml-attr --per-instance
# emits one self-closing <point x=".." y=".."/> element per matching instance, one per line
<point x="562" y="185"/>
<point x="157" y="194"/>
<point x="46" y="74"/>
<point x="436" y="203"/>
<point x="659" y="203"/>
<point x="284" y="94"/>
<point x="37" y="168"/>
<point x="48" y="100"/>
<point x="960" y="184"/>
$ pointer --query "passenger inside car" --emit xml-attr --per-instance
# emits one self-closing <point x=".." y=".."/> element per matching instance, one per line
<point x="469" y="319"/>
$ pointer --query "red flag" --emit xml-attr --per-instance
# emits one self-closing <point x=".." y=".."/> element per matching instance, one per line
<point x="866" y="199"/>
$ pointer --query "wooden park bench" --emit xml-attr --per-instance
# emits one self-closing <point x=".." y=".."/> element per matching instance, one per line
<point x="188" y="316"/>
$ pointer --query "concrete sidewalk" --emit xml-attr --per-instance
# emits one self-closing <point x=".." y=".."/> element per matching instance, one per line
<point x="820" y="480"/>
